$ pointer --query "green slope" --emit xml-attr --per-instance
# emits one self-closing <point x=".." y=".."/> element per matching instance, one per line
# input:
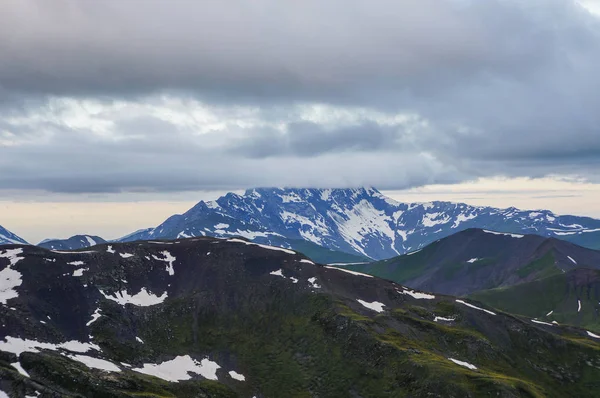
<point x="559" y="294"/>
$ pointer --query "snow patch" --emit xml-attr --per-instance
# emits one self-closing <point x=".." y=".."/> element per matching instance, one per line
<point x="572" y="260"/>
<point x="139" y="340"/>
<point x="90" y="241"/>
<point x="76" y="263"/>
<point x="550" y="313"/>
<point x="179" y="368"/>
<point x="578" y="305"/>
<point x="472" y="260"/>
<point x="17" y="365"/>
<point x="279" y="272"/>
<point x="306" y="261"/>
<point x="109" y="249"/>
<point x="375" y="305"/>
<point x="141" y="299"/>
<point x="79" y="272"/>
<point x="237" y="376"/>
<point x="126" y="255"/>
<point x="10" y="278"/>
<point x="313" y="283"/>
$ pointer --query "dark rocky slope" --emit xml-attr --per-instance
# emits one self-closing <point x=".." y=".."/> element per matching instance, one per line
<point x="225" y="318"/>
<point x="475" y="259"/>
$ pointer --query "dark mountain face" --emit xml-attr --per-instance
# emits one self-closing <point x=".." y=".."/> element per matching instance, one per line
<point x="73" y="243"/>
<point x="362" y="222"/>
<point x="226" y="318"/>
<point x="8" y="238"/>
<point x="475" y="260"/>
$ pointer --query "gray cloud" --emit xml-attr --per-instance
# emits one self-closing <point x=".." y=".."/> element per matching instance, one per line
<point x="500" y="87"/>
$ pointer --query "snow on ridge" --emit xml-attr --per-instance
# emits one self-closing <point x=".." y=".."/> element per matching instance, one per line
<point x="475" y="307"/>
<point x="141" y="299"/>
<point x="375" y="305"/>
<point x="462" y="218"/>
<point x="550" y="313"/>
<point x="541" y="323"/>
<point x="281" y="249"/>
<point x="572" y="260"/>
<point x="465" y="364"/>
<point x="518" y="236"/>
<point x="416" y="295"/>
<point x="306" y="261"/>
<point x="179" y="368"/>
<point x="348" y="271"/>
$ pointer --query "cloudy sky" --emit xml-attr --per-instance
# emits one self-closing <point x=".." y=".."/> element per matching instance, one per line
<point x="116" y="114"/>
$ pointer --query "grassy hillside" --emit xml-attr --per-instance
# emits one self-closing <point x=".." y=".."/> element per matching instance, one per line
<point x="559" y="294"/>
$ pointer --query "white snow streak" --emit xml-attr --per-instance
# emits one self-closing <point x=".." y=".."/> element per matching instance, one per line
<point x="465" y="364"/>
<point x="572" y="260"/>
<point x="169" y="259"/>
<point x="95" y="363"/>
<point x="505" y="234"/>
<point x="475" y="307"/>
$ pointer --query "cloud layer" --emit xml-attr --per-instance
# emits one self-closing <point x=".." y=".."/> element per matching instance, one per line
<point x="171" y="96"/>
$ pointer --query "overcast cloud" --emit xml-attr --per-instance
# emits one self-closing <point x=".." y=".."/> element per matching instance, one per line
<point x="170" y="96"/>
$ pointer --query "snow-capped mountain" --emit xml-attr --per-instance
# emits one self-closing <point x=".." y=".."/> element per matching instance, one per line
<point x="360" y="221"/>
<point x="8" y="238"/>
<point x="73" y="243"/>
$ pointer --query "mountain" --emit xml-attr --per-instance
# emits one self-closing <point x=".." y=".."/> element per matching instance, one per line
<point x="572" y="298"/>
<point x="206" y="317"/>
<point x="8" y="238"/>
<point x="73" y="243"/>
<point x="361" y="222"/>
<point x="475" y="259"/>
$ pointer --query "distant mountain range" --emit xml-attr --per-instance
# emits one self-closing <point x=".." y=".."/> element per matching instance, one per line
<point x="349" y="225"/>
<point x="362" y="222"/>
<point x="224" y="318"/>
